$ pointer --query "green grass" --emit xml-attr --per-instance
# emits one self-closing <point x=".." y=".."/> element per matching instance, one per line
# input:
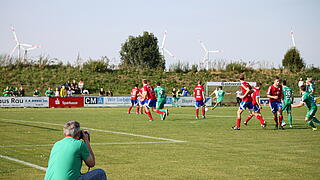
<point x="211" y="151"/>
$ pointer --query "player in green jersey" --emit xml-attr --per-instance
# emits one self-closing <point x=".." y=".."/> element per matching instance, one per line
<point x="308" y="100"/>
<point x="219" y="96"/>
<point x="161" y="99"/>
<point x="286" y="102"/>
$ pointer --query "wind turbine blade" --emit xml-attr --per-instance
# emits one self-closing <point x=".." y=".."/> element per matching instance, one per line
<point x="13" y="50"/>
<point x="14" y="34"/>
<point x="167" y="51"/>
<point x="292" y="39"/>
<point x="203" y="46"/>
<point x="164" y="39"/>
<point x="26" y="45"/>
<point x="33" y="47"/>
<point x="215" y="51"/>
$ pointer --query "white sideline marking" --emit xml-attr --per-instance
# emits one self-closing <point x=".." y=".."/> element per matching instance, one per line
<point x="114" y="143"/>
<point x="23" y="162"/>
<point x="100" y="130"/>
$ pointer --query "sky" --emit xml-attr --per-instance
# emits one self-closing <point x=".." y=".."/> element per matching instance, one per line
<point x="247" y="30"/>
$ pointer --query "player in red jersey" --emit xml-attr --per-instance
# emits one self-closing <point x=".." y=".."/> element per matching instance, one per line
<point x="149" y="98"/>
<point x="141" y="103"/>
<point x="256" y="106"/>
<point x="274" y="94"/>
<point x="246" y="101"/>
<point x="198" y="94"/>
<point x="134" y="99"/>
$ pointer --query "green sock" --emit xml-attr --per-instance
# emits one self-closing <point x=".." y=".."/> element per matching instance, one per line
<point x="290" y="118"/>
<point x="314" y="119"/>
<point x="311" y="124"/>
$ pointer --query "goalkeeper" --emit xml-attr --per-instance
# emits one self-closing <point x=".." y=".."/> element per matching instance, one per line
<point x="219" y="96"/>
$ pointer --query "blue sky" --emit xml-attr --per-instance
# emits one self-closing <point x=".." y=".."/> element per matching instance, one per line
<point x="244" y="29"/>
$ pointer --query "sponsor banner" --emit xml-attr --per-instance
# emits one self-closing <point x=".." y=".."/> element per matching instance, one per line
<point x="94" y="101"/>
<point x="265" y="101"/>
<point x="24" y="102"/>
<point x="66" y="102"/>
<point x="187" y="101"/>
<point x="228" y="83"/>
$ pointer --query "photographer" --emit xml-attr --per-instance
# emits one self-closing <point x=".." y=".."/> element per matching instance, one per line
<point x="67" y="154"/>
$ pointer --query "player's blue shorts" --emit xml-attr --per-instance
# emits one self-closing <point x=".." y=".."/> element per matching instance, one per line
<point x="245" y="105"/>
<point x="151" y="103"/>
<point x="134" y="102"/>
<point x="142" y="102"/>
<point x="199" y="103"/>
<point x="256" y="108"/>
<point x="275" y="106"/>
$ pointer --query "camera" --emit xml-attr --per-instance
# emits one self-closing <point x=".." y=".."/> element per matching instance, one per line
<point x="82" y="132"/>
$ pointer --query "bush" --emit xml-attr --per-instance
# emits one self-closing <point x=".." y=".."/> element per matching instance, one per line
<point x="237" y="66"/>
<point x="293" y="61"/>
<point x="100" y="65"/>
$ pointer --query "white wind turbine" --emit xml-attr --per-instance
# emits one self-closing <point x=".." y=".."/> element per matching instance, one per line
<point x="292" y="39"/>
<point x="206" y="56"/>
<point x="19" y="45"/>
<point x="163" y="49"/>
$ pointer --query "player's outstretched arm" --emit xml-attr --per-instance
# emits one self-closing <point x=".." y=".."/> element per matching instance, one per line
<point x="298" y="105"/>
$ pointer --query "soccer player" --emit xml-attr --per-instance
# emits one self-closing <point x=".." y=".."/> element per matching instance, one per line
<point x="219" y="96"/>
<point x="308" y="100"/>
<point x="141" y="102"/>
<point x="287" y="101"/>
<point x="149" y="96"/>
<point x="134" y="99"/>
<point x="246" y="101"/>
<point x="274" y="94"/>
<point x="161" y="99"/>
<point x="198" y="94"/>
<point x="256" y="106"/>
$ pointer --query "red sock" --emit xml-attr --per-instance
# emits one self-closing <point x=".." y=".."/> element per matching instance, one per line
<point x="238" y="122"/>
<point x="203" y="112"/>
<point x="197" y="112"/>
<point x="149" y="114"/>
<point x="141" y="111"/>
<point x="159" y="112"/>
<point x="248" y="118"/>
<point x="260" y="119"/>
<point x="280" y="119"/>
<point x="275" y="120"/>
<point x="129" y="110"/>
<point x="137" y="109"/>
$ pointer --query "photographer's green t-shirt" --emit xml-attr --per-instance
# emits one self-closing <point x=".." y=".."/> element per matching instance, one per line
<point x="66" y="159"/>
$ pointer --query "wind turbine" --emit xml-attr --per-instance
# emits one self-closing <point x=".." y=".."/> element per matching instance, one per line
<point x="207" y="53"/>
<point x="163" y="49"/>
<point x="19" y="45"/>
<point x="292" y="39"/>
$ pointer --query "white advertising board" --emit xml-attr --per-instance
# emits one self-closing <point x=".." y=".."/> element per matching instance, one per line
<point x="24" y="102"/>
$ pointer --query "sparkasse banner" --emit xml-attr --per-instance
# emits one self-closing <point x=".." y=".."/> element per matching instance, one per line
<point x="66" y="102"/>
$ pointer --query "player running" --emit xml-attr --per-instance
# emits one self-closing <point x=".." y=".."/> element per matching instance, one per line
<point x="274" y="94"/>
<point x="287" y="101"/>
<point x="219" y="96"/>
<point x="246" y="101"/>
<point x="149" y="99"/>
<point x="308" y="100"/>
<point x="141" y="102"/>
<point x="134" y="99"/>
<point x="256" y="106"/>
<point x="198" y="94"/>
<point x="161" y="99"/>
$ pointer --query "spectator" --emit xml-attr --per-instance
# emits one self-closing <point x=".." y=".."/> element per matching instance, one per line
<point x="81" y="85"/>
<point x="300" y="83"/>
<point x="67" y="85"/>
<point x="36" y="92"/>
<point x="49" y="92"/>
<point x="185" y="91"/>
<point x="57" y="92"/>
<point x="73" y="84"/>
<point x="15" y="92"/>
<point x="69" y="92"/>
<point x="102" y="92"/>
<point x="238" y="97"/>
<point x="109" y="93"/>
<point x="66" y="156"/>
<point x="76" y="89"/>
<point x="63" y="92"/>
<point x="6" y="92"/>
<point x="21" y="91"/>
<point x="85" y="92"/>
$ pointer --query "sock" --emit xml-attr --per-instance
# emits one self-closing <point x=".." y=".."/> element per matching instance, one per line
<point x="238" y="122"/>
<point x="280" y="119"/>
<point x="203" y="112"/>
<point x="260" y="119"/>
<point x="137" y="109"/>
<point x="197" y="112"/>
<point x="141" y="111"/>
<point x="311" y="124"/>
<point x="314" y="119"/>
<point x="275" y="120"/>
<point x="129" y="110"/>
<point x="290" y="118"/>
<point x="159" y="112"/>
<point x="248" y="118"/>
<point x="149" y="114"/>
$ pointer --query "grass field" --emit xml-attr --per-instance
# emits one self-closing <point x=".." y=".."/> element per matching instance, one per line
<point x="177" y="148"/>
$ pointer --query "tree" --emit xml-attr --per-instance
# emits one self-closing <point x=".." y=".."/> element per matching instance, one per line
<point x="142" y="52"/>
<point x="292" y="60"/>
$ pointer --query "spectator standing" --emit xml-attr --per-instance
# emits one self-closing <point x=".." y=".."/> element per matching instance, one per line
<point x="36" y="92"/>
<point x="69" y="92"/>
<point x="81" y="85"/>
<point x="109" y="93"/>
<point x="238" y="97"/>
<point x="6" y="91"/>
<point x="63" y="92"/>
<point x="49" y="92"/>
<point x="57" y="92"/>
<point x="300" y="83"/>
<point x="21" y="91"/>
<point x="102" y="92"/>
<point x="15" y="92"/>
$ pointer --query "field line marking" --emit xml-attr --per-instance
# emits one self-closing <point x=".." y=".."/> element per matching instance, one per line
<point x="23" y="162"/>
<point x="100" y="130"/>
